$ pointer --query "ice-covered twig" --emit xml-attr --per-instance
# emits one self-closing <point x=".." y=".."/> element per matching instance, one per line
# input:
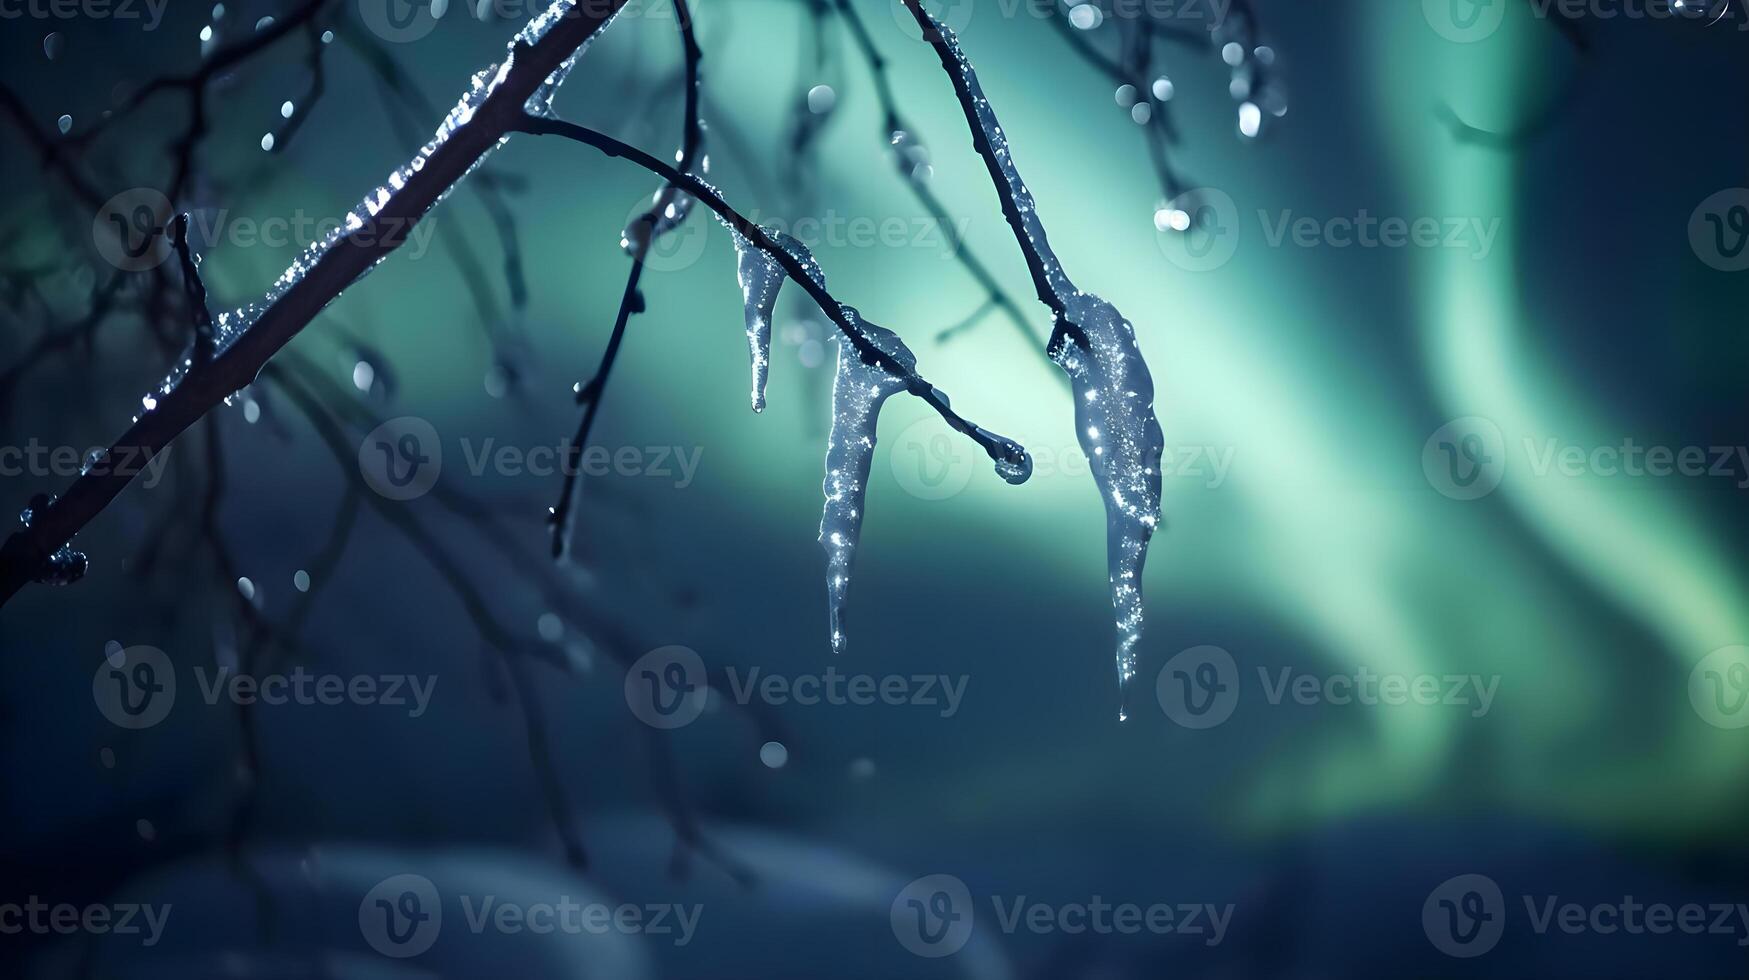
<point x="903" y="137"/>
<point x="195" y="289"/>
<point x="1001" y="450"/>
<point x="479" y="123"/>
<point x="667" y="211"/>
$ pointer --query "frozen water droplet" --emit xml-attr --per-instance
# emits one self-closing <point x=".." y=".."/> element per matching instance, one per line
<point x="64" y="124"/>
<point x="774" y="754"/>
<point x="286" y="109"/>
<point x="52" y="45"/>
<point x="1163" y="89"/>
<point x="1250" y="120"/>
<point x="1233" y="53"/>
<point x="267" y="142"/>
<point x="821" y="99"/>
<point x="301" y="580"/>
<point x="550" y="627"/>
<point x="1126" y="95"/>
<point x="1086" y="16"/>
<point x="246" y="588"/>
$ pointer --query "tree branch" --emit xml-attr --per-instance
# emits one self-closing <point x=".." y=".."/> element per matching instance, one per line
<point x="312" y="284"/>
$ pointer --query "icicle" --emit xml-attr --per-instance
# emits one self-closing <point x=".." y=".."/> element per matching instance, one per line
<point x="761" y="278"/>
<point x="1114" y="393"/>
<point x="858" y="392"/>
<point x="65" y="566"/>
<point x="1115" y="423"/>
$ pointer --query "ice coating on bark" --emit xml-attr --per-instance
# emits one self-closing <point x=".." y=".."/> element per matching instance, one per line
<point x="230" y="326"/>
<point x="1115" y="423"/>
<point x="1114" y="393"/>
<point x="858" y="391"/>
<point x="761" y="278"/>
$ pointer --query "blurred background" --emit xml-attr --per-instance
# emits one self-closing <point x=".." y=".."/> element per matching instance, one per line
<point x="1443" y="673"/>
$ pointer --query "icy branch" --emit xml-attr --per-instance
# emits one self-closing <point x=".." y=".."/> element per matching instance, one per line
<point x="479" y="123"/>
<point x="1005" y="452"/>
